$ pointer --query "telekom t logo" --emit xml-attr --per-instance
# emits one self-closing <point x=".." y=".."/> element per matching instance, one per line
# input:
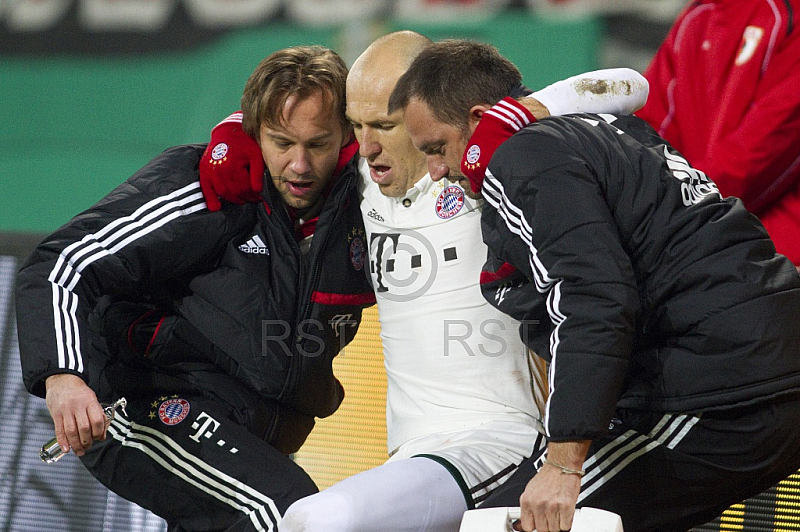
<point x="205" y="428"/>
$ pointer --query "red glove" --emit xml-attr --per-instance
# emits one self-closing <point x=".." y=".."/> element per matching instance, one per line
<point x="497" y="124"/>
<point x="232" y="167"/>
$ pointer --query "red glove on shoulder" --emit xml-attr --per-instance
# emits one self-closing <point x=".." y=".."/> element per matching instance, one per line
<point x="232" y="167"/>
<point x="497" y="124"/>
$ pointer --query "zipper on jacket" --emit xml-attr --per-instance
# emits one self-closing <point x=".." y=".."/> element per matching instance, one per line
<point x="293" y="377"/>
<point x="288" y="230"/>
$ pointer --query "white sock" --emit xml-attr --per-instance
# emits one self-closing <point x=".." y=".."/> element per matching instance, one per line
<point x="408" y="495"/>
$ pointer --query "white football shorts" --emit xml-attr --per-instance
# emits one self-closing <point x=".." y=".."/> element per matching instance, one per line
<point x="481" y="458"/>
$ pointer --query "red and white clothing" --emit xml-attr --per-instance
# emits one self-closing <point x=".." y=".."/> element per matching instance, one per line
<point x="724" y="92"/>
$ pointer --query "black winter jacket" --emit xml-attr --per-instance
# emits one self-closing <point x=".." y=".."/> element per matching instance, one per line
<point x="276" y="320"/>
<point x="640" y="285"/>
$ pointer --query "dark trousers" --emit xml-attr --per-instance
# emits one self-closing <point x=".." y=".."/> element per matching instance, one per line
<point x="670" y="472"/>
<point x="184" y="459"/>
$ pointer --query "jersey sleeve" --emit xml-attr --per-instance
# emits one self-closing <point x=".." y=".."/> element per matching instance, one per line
<point x="549" y="199"/>
<point x="146" y="235"/>
<point x="612" y="90"/>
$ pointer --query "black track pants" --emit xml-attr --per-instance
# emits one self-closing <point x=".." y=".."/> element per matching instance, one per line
<point x="183" y="459"/>
<point x="670" y="472"/>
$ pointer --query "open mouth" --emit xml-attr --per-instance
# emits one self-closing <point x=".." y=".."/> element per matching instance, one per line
<point x="300" y="188"/>
<point x="380" y="173"/>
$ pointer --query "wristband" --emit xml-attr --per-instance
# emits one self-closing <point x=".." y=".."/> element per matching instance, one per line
<point x="566" y="470"/>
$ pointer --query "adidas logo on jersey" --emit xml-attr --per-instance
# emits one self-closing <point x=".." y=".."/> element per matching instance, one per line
<point x="374" y="215"/>
<point x="255" y="246"/>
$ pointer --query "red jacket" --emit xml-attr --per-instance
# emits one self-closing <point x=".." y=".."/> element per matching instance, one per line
<point x="725" y="91"/>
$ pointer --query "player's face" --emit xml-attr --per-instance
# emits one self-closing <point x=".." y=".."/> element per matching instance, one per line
<point x="394" y="164"/>
<point x="443" y="144"/>
<point x="301" y="154"/>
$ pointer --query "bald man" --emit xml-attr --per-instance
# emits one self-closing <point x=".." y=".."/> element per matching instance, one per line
<point x="462" y="391"/>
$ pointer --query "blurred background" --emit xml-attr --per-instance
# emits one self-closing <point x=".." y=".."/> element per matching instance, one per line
<point x="94" y="89"/>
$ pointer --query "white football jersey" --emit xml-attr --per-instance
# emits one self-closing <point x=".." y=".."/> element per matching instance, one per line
<point x="452" y="360"/>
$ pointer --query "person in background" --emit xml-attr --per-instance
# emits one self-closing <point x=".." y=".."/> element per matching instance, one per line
<point x="723" y="92"/>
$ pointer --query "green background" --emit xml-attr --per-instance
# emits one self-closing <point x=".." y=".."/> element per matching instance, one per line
<point x="75" y="127"/>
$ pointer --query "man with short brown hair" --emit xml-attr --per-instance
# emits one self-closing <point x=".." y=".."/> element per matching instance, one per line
<point x="219" y="328"/>
<point x="668" y="321"/>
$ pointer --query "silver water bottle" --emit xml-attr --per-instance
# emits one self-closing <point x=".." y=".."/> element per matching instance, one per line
<point x="52" y="451"/>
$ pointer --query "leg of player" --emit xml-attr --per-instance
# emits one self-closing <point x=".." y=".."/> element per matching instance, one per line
<point x="405" y="495"/>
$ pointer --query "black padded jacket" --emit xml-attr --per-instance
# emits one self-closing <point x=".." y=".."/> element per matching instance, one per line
<point x="275" y="318"/>
<point x="633" y="277"/>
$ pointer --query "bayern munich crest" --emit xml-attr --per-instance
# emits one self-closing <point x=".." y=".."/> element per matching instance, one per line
<point x="173" y="411"/>
<point x="473" y="154"/>
<point x="357" y="253"/>
<point x="219" y="151"/>
<point x="449" y="202"/>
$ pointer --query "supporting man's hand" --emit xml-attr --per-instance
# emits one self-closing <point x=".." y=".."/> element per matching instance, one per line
<point x="548" y="502"/>
<point x="497" y="124"/>
<point x="232" y="167"/>
<point x="77" y="415"/>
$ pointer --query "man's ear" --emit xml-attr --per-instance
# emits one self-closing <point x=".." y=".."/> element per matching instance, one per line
<point x="476" y="113"/>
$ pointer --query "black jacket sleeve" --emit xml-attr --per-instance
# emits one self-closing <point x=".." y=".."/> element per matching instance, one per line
<point x="147" y="236"/>
<point x="646" y="272"/>
<point x="550" y="205"/>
